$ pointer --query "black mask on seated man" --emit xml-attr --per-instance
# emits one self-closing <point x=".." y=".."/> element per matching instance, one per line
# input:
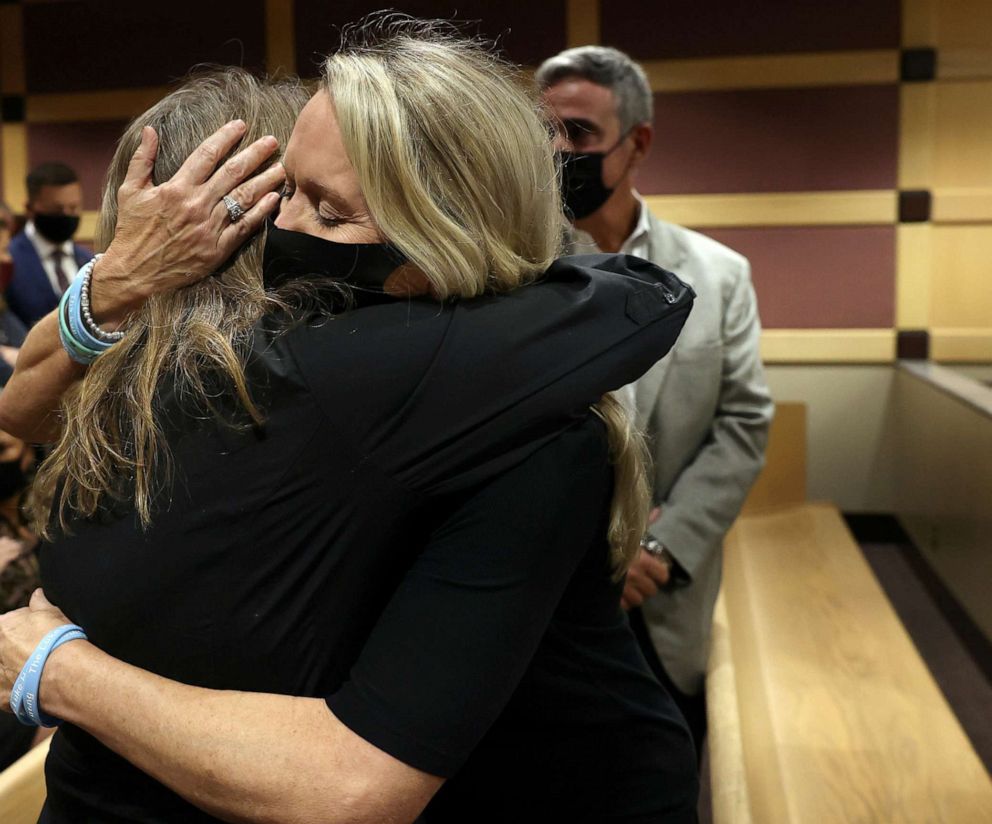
<point x="56" y="228"/>
<point x="583" y="189"/>
<point x="288" y="255"/>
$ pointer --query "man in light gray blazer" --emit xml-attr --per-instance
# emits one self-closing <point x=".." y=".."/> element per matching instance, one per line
<point x="705" y="408"/>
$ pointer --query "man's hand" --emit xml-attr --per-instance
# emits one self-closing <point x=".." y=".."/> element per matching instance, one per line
<point x="20" y="632"/>
<point x="646" y="576"/>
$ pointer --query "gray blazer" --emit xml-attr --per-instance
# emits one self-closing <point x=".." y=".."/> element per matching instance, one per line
<point x="705" y="409"/>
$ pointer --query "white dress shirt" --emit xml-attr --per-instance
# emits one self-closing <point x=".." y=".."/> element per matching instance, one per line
<point x="46" y="249"/>
<point x="636" y="244"/>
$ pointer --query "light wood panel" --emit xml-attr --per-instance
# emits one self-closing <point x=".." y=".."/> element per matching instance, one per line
<point x="828" y="345"/>
<point x="729" y="795"/>
<point x="917" y="129"/>
<point x="280" y="37"/>
<point x="964" y="24"/>
<point x="14" y="157"/>
<point x="961" y="345"/>
<point x="119" y="104"/>
<point x="848" y="724"/>
<point x="914" y="264"/>
<point x="783" y="478"/>
<point x="961" y="295"/>
<point x="774" y="71"/>
<point x="22" y="787"/>
<point x="11" y="49"/>
<point x="972" y="205"/>
<point x="963" y="135"/>
<point x="919" y="23"/>
<point x="582" y="23"/>
<point x="854" y="208"/>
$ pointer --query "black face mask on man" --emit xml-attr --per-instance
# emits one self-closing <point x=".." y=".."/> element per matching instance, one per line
<point x="288" y="255"/>
<point x="56" y="228"/>
<point x="583" y="189"/>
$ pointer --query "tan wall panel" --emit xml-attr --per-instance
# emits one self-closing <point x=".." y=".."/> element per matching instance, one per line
<point x="777" y="209"/>
<point x="962" y="206"/>
<point x="964" y="24"/>
<point x="964" y="64"/>
<point x="944" y="488"/>
<point x="774" y="71"/>
<point x="815" y="346"/>
<point x="11" y="49"/>
<point x="850" y="456"/>
<point x="14" y="157"/>
<point x="582" y="23"/>
<point x="280" y="37"/>
<point x="919" y="22"/>
<point x="87" y="227"/>
<point x="917" y="129"/>
<point x="120" y="104"/>
<point x="962" y="289"/>
<point x="913" y="269"/>
<point x="961" y="345"/>
<point x="963" y="135"/>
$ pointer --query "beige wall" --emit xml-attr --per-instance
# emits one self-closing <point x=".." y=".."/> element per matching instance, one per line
<point x="850" y="441"/>
<point x="943" y="478"/>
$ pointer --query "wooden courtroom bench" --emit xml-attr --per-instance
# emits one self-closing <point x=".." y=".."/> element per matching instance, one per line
<point x="22" y="787"/>
<point x="820" y="708"/>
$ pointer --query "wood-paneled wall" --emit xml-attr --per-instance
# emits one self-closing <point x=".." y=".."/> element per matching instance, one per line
<point x="844" y="146"/>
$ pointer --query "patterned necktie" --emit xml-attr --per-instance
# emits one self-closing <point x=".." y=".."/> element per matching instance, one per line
<point x="60" y="274"/>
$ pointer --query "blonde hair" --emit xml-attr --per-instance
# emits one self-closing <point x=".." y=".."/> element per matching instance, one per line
<point x="455" y="160"/>
<point x="197" y="336"/>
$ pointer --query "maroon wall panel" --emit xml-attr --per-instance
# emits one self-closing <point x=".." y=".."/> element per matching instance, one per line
<point x="87" y="147"/>
<point x="774" y="140"/>
<point x="112" y="44"/>
<point x="527" y="32"/>
<point x="690" y="28"/>
<point x="820" y="277"/>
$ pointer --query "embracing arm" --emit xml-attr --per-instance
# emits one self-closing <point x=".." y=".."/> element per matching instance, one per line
<point x="240" y="756"/>
<point x="167" y="236"/>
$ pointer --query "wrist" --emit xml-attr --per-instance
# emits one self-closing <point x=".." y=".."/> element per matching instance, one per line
<point x="64" y="674"/>
<point x="113" y="292"/>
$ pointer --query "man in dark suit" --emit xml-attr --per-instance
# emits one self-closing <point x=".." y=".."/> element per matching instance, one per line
<point x="45" y="258"/>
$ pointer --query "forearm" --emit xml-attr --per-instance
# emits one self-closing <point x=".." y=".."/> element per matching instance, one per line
<point x="239" y="756"/>
<point x="29" y="403"/>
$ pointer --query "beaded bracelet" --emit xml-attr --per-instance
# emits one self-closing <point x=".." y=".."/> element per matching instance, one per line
<point x="81" y="338"/>
<point x="86" y="276"/>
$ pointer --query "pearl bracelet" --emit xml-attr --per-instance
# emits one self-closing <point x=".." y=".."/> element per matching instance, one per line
<point x="86" y="273"/>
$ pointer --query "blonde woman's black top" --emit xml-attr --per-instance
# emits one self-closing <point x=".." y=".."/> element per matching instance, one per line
<point x="416" y="534"/>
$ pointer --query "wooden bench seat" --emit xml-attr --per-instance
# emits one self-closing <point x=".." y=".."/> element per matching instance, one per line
<point x="821" y="709"/>
<point x="22" y="787"/>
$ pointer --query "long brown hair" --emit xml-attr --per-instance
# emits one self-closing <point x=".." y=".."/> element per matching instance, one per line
<point x="196" y="336"/>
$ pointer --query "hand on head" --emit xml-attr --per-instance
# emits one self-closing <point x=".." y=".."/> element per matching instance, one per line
<point x="174" y="234"/>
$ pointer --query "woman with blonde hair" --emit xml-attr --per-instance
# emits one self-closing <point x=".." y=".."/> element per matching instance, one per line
<point x="354" y="535"/>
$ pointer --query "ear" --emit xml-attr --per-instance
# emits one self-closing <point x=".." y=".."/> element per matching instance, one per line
<point x="643" y="135"/>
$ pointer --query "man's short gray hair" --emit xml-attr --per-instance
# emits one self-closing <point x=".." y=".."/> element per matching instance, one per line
<point x="606" y="67"/>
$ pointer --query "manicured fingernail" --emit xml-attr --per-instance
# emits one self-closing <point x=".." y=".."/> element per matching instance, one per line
<point x="238" y="124"/>
<point x="270" y="141"/>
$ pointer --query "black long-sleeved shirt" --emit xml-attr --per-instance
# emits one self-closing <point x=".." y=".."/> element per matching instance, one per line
<point x="416" y="534"/>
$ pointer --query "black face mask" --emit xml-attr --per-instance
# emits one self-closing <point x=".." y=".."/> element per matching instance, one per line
<point x="56" y="228"/>
<point x="583" y="190"/>
<point x="12" y="479"/>
<point x="289" y="255"/>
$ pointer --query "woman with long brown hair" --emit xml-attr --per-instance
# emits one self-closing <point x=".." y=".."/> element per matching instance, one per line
<point x="392" y="562"/>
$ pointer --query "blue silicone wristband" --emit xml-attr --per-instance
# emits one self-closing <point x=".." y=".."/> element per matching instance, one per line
<point x="24" y="695"/>
<point x="73" y="348"/>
